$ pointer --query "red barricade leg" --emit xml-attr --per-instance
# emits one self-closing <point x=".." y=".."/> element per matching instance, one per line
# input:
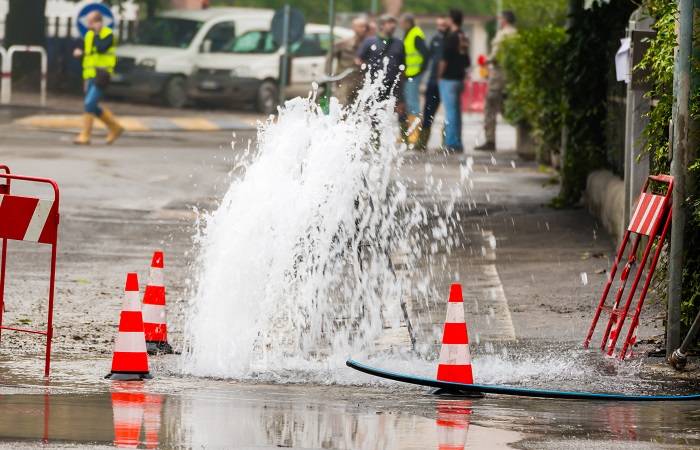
<point x="606" y="290"/>
<point x="630" y="338"/>
<point x="615" y="312"/>
<point x="2" y="280"/>
<point x="633" y="290"/>
<point x="49" y="321"/>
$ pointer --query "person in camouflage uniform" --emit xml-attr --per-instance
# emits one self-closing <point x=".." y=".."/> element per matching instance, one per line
<point x="496" y="80"/>
<point x="344" y="57"/>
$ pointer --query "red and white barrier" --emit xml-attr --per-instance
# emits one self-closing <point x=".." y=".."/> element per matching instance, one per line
<point x="649" y="208"/>
<point x="474" y="96"/>
<point x="34" y="220"/>
<point x="6" y="95"/>
<point x="651" y="218"/>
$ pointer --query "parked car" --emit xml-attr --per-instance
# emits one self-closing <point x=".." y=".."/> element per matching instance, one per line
<point x="162" y="56"/>
<point x="248" y="69"/>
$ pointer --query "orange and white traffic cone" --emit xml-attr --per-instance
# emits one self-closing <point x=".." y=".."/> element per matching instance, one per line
<point x="453" y="424"/>
<point x="127" y="409"/>
<point x="455" y="361"/>
<point x="154" y="316"/>
<point x="151" y="419"/>
<point x="130" y="360"/>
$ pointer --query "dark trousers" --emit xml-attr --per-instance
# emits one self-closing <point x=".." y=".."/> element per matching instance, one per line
<point x="432" y="103"/>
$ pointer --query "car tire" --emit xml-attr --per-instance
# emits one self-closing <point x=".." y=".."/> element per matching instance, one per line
<point x="175" y="92"/>
<point x="267" y="98"/>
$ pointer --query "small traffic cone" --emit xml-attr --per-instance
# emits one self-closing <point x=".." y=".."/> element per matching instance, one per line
<point x="130" y="360"/>
<point x="154" y="317"/>
<point x="455" y="361"/>
<point x="127" y="410"/>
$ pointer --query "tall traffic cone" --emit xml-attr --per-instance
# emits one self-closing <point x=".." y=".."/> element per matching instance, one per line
<point x="130" y="360"/>
<point x="127" y="410"/>
<point x="455" y="361"/>
<point x="154" y="317"/>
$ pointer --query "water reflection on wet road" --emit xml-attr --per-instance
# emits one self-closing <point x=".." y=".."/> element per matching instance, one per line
<point x="219" y="414"/>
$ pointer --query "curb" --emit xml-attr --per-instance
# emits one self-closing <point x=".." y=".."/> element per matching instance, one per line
<point x="142" y="123"/>
<point x="605" y="199"/>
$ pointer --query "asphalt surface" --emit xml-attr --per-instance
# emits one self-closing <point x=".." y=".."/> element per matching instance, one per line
<point x="531" y="275"/>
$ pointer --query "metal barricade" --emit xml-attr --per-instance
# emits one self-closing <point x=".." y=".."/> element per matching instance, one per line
<point x="29" y="219"/>
<point x="651" y="220"/>
<point x="7" y="71"/>
<point x="5" y="77"/>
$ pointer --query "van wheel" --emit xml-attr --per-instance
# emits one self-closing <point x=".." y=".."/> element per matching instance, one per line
<point x="175" y="92"/>
<point x="268" y="98"/>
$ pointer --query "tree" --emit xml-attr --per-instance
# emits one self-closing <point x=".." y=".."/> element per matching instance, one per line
<point x="537" y="13"/>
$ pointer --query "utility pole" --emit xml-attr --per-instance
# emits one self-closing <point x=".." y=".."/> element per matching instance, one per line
<point x="681" y="95"/>
<point x="285" y="55"/>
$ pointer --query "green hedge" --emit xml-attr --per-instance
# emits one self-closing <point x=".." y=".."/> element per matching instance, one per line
<point x="533" y="62"/>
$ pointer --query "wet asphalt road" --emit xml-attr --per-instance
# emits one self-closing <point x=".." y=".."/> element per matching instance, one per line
<point x="121" y="202"/>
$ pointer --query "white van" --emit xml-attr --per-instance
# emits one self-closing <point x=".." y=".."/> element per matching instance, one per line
<point x="248" y="69"/>
<point x="165" y="48"/>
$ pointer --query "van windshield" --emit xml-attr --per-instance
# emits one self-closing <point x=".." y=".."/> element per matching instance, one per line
<point x="167" y="32"/>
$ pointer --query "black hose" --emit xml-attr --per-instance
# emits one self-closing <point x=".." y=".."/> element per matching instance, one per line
<point x="508" y="390"/>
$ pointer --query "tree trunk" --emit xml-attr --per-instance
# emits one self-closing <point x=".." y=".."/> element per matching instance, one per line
<point x="25" y="24"/>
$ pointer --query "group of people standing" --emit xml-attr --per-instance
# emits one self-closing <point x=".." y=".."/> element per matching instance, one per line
<point x="405" y="63"/>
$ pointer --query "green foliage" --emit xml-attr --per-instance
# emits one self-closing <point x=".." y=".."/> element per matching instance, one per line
<point x="317" y="10"/>
<point x="537" y="13"/>
<point x="532" y="60"/>
<point x="590" y="50"/>
<point x="659" y="61"/>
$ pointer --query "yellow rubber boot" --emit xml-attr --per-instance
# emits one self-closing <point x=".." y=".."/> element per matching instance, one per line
<point x="114" y="130"/>
<point x="84" y="137"/>
<point x="414" y="127"/>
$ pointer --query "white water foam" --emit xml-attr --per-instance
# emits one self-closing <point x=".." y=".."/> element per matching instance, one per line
<point x="293" y="268"/>
<point x="295" y="261"/>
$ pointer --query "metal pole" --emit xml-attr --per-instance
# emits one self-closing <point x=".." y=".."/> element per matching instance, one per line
<point x="285" y="55"/>
<point x="679" y="358"/>
<point x="331" y="25"/>
<point x="681" y="87"/>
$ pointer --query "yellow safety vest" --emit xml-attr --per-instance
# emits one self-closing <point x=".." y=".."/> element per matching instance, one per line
<point x="414" y="60"/>
<point x="93" y="60"/>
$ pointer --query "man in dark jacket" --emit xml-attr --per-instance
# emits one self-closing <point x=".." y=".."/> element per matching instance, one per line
<point x="432" y="94"/>
<point x="451" y="73"/>
<point x="377" y="50"/>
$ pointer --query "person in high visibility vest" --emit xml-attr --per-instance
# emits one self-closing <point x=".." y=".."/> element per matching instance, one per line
<point x="99" y="58"/>
<point x="417" y="55"/>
